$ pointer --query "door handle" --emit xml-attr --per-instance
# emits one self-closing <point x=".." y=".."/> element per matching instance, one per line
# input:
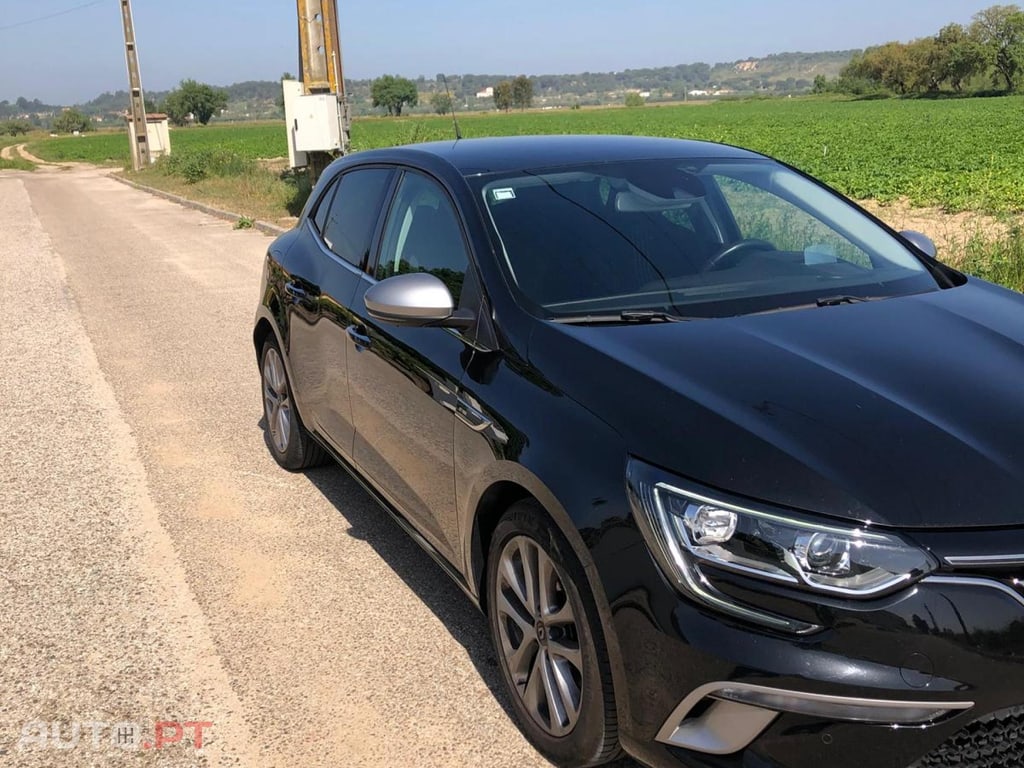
<point x="302" y="294"/>
<point x="359" y="337"/>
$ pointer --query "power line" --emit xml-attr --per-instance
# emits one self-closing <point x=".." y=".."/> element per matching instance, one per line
<point x="81" y="7"/>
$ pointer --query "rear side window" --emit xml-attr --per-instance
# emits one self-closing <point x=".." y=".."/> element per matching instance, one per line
<point x="348" y="215"/>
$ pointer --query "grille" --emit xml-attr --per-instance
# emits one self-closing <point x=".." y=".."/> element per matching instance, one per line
<point x="995" y="741"/>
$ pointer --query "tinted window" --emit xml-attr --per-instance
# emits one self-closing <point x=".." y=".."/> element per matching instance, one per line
<point x="324" y="208"/>
<point x="423" y="235"/>
<point x="703" y="238"/>
<point x="348" y="224"/>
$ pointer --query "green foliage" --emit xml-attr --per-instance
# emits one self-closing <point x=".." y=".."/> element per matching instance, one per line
<point x="522" y="92"/>
<point x="245" y="223"/>
<point x="957" y="154"/>
<point x="634" y="99"/>
<point x="71" y="120"/>
<point x="1000" y="32"/>
<point x="441" y="102"/>
<point x="994" y="44"/>
<point x="963" y="56"/>
<point x="197" y="164"/>
<point x="503" y="95"/>
<point x="394" y="93"/>
<point x="999" y="259"/>
<point x="15" y="127"/>
<point x="251" y="141"/>
<point x="17" y="164"/>
<point x="198" y="100"/>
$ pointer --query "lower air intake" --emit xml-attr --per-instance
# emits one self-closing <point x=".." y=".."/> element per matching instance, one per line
<point x="995" y="741"/>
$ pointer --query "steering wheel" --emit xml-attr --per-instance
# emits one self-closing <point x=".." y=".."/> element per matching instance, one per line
<point x="733" y="249"/>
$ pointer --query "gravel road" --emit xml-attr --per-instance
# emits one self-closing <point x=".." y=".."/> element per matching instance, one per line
<point x="155" y="564"/>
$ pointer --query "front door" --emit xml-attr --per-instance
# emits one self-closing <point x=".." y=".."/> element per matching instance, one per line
<point x="404" y="381"/>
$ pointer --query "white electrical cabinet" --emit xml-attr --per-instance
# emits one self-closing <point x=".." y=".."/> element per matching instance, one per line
<point x="314" y="123"/>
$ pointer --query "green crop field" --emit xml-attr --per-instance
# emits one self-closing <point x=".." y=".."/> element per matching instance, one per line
<point x="252" y="141"/>
<point x="957" y="154"/>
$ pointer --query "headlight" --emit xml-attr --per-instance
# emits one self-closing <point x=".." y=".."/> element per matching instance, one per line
<point x="685" y="529"/>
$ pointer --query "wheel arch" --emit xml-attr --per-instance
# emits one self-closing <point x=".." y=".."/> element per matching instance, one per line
<point x="517" y="483"/>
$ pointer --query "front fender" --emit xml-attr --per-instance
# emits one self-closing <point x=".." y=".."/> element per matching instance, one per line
<point x="545" y="445"/>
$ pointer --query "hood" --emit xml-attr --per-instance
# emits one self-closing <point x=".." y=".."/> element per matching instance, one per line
<point x="905" y="412"/>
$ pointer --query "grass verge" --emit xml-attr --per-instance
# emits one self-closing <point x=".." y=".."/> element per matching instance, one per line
<point x="999" y="259"/>
<point x="17" y="164"/>
<point x="255" y="190"/>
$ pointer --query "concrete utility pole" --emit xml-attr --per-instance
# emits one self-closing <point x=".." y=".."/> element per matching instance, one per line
<point x="316" y="107"/>
<point x="139" y="126"/>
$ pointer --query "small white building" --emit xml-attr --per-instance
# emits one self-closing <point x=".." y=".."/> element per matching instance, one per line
<point x="486" y="93"/>
<point x="158" y="133"/>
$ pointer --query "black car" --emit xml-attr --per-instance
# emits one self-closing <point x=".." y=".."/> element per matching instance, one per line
<point x="735" y="471"/>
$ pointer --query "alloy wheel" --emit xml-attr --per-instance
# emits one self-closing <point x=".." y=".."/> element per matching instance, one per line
<point x="539" y="635"/>
<point x="277" y="404"/>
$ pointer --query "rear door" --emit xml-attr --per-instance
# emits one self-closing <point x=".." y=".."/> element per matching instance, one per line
<point x="346" y="225"/>
<point x="404" y="381"/>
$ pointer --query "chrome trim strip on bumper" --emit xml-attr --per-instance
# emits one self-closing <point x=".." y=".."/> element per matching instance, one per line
<point x="984" y="561"/>
<point x="741" y="712"/>
<point x="969" y="581"/>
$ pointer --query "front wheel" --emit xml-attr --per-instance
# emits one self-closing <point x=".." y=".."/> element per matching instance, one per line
<point x="549" y="642"/>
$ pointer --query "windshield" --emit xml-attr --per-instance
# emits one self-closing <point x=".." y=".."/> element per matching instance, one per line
<point x="690" y="238"/>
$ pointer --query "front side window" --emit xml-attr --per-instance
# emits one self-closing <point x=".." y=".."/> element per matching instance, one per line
<point x="705" y="238"/>
<point x="347" y="220"/>
<point x="423" y="235"/>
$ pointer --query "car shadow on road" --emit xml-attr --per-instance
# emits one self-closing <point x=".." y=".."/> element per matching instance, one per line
<point x="372" y="524"/>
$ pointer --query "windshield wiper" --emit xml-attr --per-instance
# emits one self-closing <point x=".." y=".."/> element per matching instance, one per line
<point x="835" y="301"/>
<point x="638" y="317"/>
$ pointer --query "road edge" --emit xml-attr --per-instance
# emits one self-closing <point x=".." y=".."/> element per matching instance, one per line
<point x="268" y="229"/>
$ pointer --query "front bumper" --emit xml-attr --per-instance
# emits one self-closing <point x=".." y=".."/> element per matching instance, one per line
<point x="932" y="677"/>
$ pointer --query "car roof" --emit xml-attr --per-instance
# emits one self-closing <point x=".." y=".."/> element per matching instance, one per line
<point x="516" y="153"/>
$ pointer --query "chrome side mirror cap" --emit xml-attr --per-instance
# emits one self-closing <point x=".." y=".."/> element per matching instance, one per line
<point x="921" y="241"/>
<point x="414" y="300"/>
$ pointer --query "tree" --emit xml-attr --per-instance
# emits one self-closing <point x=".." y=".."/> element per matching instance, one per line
<point x="1000" y="31"/>
<point x="522" y="92"/>
<point x="199" y="100"/>
<point x="70" y="121"/>
<point x="15" y="127"/>
<point x="961" y="57"/>
<point x="503" y="95"/>
<point x="441" y="102"/>
<point x="924" y="65"/>
<point x="887" y="65"/>
<point x="634" y="99"/>
<point x="393" y="93"/>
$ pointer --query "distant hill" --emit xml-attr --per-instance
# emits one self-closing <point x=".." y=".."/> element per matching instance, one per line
<point x="782" y="74"/>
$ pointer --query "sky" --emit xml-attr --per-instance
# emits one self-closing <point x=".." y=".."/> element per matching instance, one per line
<point x="75" y="56"/>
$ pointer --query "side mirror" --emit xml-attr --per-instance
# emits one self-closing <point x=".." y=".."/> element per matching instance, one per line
<point x="414" y="300"/>
<point x="921" y="242"/>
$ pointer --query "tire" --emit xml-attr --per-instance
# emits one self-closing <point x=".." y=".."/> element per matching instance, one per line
<point x="572" y="720"/>
<point x="286" y="437"/>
